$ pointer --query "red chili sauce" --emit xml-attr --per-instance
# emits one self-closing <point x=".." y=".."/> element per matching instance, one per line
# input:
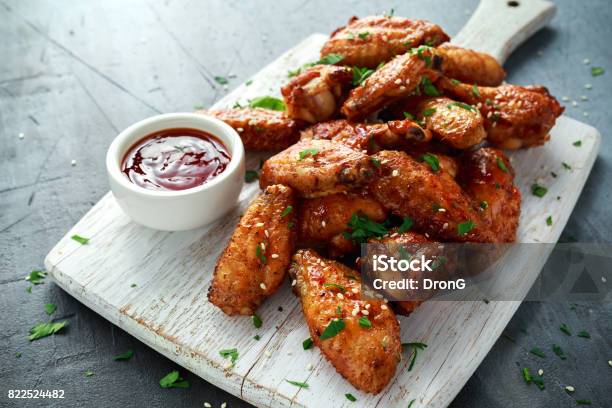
<point x="175" y="159"/>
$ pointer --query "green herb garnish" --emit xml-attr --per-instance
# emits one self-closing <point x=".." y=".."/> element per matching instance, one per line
<point x="416" y="346"/>
<point x="334" y="286"/>
<point x="428" y="112"/>
<point x="584" y="334"/>
<point x="267" y="102"/>
<point x="465" y="227"/>
<point x="432" y="161"/>
<point x="596" y="71"/>
<point x="375" y="162"/>
<point x="221" y="80"/>
<point x="249" y="82"/>
<point x="308" y="152"/>
<point x="365" y="322"/>
<point x="257" y="322"/>
<point x="429" y="88"/>
<point x="297" y="383"/>
<point x="363" y="35"/>
<point x="475" y="91"/>
<point x="502" y="165"/>
<point x="50" y="308"/>
<point x="80" y="239"/>
<point x="559" y="351"/>
<point x="89" y="373"/>
<point x="46" y="329"/>
<point x="484" y="205"/>
<point x="538" y="190"/>
<point x="333" y="328"/>
<point x="583" y="402"/>
<point x="287" y="211"/>
<point x="360" y="75"/>
<point x="126" y="355"/>
<point x="462" y="105"/>
<point x="549" y="220"/>
<point x="455" y="82"/>
<point x="363" y="228"/>
<point x="307" y="344"/>
<point x="250" y="176"/>
<point x="577" y="143"/>
<point x="538" y="352"/>
<point x="406" y="225"/>
<point x="565" y="329"/>
<point x="408" y="115"/>
<point x="36" y="277"/>
<point x="330" y="59"/>
<point x="173" y="380"/>
<point x="257" y="337"/>
<point x="566" y="166"/>
<point x="350" y="397"/>
<point x="260" y="255"/>
<point x="231" y="353"/>
<point x="18" y="354"/>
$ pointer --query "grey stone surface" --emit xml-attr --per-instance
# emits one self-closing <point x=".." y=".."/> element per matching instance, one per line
<point x="73" y="74"/>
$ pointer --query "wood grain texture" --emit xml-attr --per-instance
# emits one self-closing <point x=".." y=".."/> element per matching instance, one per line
<point x="168" y="309"/>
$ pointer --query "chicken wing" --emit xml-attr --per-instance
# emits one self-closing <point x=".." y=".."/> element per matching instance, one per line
<point x="368" y="41"/>
<point x="487" y="175"/>
<point x="454" y="123"/>
<point x="430" y="196"/>
<point x="254" y="263"/>
<point x="515" y="116"/>
<point x="369" y="137"/>
<point x="316" y="168"/>
<point x="260" y="129"/>
<point x="399" y="78"/>
<point x="470" y="66"/>
<point x="316" y="94"/>
<point x="360" y="338"/>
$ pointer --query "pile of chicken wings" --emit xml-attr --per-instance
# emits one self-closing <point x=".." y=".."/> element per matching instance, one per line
<point x="397" y="141"/>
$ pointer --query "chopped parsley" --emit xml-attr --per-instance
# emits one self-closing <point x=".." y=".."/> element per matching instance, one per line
<point x="455" y="82"/>
<point x="260" y="255"/>
<point x="287" y="211"/>
<point x="406" y="225"/>
<point x="559" y="351"/>
<point x="419" y="51"/>
<point x="410" y="403"/>
<point x="173" y="380"/>
<point x="526" y="375"/>
<point x="465" y="227"/>
<point x="307" y="344"/>
<point x="267" y="102"/>
<point x="597" y="71"/>
<point x="36" y="277"/>
<point x="126" y="355"/>
<point x="18" y="354"/>
<point x="249" y="82"/>
<point x="549" y="220"/>
<point x="375" y="162"/>
<point x="428" y="111"/>
<point x="80" y="239"/>
<point x="231" y="353"/>
<point x="89" y="373"/>
<point x="538" y="190"/>
<point x="416" y="346"/>
<point x="360" y="75"/>
<point x="133" y="285"/>
<point x="566" y="166"/>
<point x="428" y="88"/>
<point x="538" y="352"/>
<point x="577" y="143"/>
<point x="475" y="91"/>
<point x="29" y="289"/>
<point x="583" y="402"/>
<point x="333" y="328"/>
<point x="50" y="308"/>
<point x="257" y="322"/>
<point x="462" y="105"/>
<point x="584" y="334"/>
<point x="432" y="161"/>
<point x="350" y="397"/>
<point x="365" y="322"/>
<point x="221" y="80"/>
<point x="565" y="329"/>
<point x="334" y="286"/>
<point x="308" y="152"/>
<point x="408" y="115"/>
<point x="330" y="59"/>
<point x="484" y="205"/>
<point x="257" y="337"/>
<point x="502" y="165"/>
<point x="46" y="329"/>
<point x="297" y="383"/>
<point x="363" y="35"/>
<point x="363" y="228"/>
<point x="250" y="176"/>
<point x="389" y="13"/>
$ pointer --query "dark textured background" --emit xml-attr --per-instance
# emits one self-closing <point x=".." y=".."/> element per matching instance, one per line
<point x="72" y="76"/>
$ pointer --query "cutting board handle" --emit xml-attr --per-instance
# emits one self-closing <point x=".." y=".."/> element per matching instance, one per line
<point x="499" y="26"/>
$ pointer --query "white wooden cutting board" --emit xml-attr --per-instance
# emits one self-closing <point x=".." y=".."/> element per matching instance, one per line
<point x="168" y="309"/>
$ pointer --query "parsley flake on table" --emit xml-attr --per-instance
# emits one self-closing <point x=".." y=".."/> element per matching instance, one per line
<point x="50" y="308"/>
<point x="538" y="190"/>
<point x="126" y="355"/>
<point x="298" y="383"/>
<point x="257" y="337"/>
<point x="81" y="240"/>
<point x="416" y="346"/>
<point x="307" y="344"/>
<point x="173" y="380"/>
<point x="538" y="352"/>
<point x="350" y="397"/>
<point x="221" y="80"/>
<point x="597" y="71"/>
<point x="559" y="351"/>
<point x="308" y="152"/>
<point x="267" y="102"/>
<point x="231" y="353"/>
<point x="18" y="354"/>
<point x="584" y="334"/>
<point x="549" y="221"/>
<point x="46" y="329"/>
<point x="89" y="373"/>
<point x="36" y="277"/>
<point x="566" y="166"/>
<point x="333" y="328"/>
<point x="583" y="402"/>
<point x="465" y="227"/>
<point x="565" y="329"/>
<point x="577" y="143"/>
<point x="249" y="82"/>
<point x="257" y="322"/>
<point x="250" y="176"/>
<point x="410" y="403"/>
<point x="432" y="161"/>
<point x="29" y="289"/>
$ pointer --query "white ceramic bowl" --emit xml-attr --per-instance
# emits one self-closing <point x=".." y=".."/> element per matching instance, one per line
<point x="183" y="209"/>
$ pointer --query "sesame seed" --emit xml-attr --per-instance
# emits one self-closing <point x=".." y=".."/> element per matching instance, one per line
<point x="383" y="307"/>
<point x="293" y="282"/>
<point x="267" y="353"/>
<point x="610" y="363"/>
<point x="259" y="224"/>
<point x="583" y="98"/>
<point x="569" y="388"/>
<point x="21" y="135"/>
<point x="565" y="98"/>
<point x="445" y="226"/>
<point x="223" y="405"/>
<point x="402" y="88"/>
<point x="574" y="103"/>
<point x="540" y="372"/>
<point x="340" y="296"/>
<point x="367" y="306"/>
<point x="442" y="209"/>
<point x="263" y="245"/>
<point x="309" y="367"/>
<point x="397" y="81"/>
<point x="585" y="113"/>
<point x="586" y="61"/>
<point x="240" y="130"/>
<point x="73" y="162"/>
<point x="207" y="404"/>
<point x="266" y="233"/>
<point x="262" y="285"/>
<point x="494" y="124"/>
<point x="227" y="365"/>
<point x="427" y="235"/>
<point x="274" y="256"/>
<point x="364" y="312"/>
<point x="354" y="312"/>
<point x="395" y="173"/>
<point x="355" y="290"/>
<point x="603" y="279"/>
<point x="588" y="86"/>
<point x="323" y="223"/>
<point x="385" y="38"/>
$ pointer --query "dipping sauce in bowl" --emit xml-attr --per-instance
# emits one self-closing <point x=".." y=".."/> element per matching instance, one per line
<point x="175" y="159"/>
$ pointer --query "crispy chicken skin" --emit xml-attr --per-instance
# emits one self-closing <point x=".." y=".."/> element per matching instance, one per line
<point x="515" y="116"/>
<point x="322" y="218"/>
<point x="259" y="129"/>
<point x="366" y="42"/>
<point x="395" y="80"/>
<point x="488" y="177"/>
<point x="244" y="275"/>
<point x="366" y="357"/>
<point x="316" y="94"/>
<point x="470" y="66"/>
<point x="434" y="200"/>
<point x="451" y="123"/>
<point x="369" y="137"/>
<point x="316" y="168"/>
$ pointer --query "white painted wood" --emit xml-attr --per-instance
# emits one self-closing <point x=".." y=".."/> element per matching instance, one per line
<point x="497" y="28"/>
<point x="168" y="309"/>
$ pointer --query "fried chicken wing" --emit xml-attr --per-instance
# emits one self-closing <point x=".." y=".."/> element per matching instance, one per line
<point x="330" y="293"/>
<point x="457" y="124"/>
<point x="368" y="41"/>
<point x="254" y="263"/>
<point x="316" y="168"/>
<point x="515" y="116"/>
<point x="397" y="79"/>
<point x="470" y="66"/>
<point x="487" y="175"/>
<point x="259" y="129"/>
<point x="316" y="94"/>
<point x="433" y="199"/>
<point x="369" y="137"/>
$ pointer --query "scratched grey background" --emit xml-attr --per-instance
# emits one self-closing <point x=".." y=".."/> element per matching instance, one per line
<point x="73" y="75"/>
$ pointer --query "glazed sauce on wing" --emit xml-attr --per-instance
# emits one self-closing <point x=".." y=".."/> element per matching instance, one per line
<point x="175" y="159"/>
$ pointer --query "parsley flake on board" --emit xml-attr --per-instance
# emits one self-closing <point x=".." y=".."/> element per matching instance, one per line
<point x="565" y="329"/>
<point x="406" y="225"/>
<point x="350" y="397"/>
<point x="365" y="322"/>
<point x="583" y="402"/>
<point x="250" y="176"/>
<point x="249" y="82"/>
<point x="50" y="308"/>
<point x="221" y="80"/>
<point x="308" y="152"/>
<point x="538" y="352"/>
<point x="549" y="221"/>
<point x="257" y="337"/>
<point x="559" y="351"/>
<point x="298" y="383"/>
<point x="81" y="240"/>
<point x="89" y="373"/>
<point x="538" y="190"/>
<point x="361" y="74"/>
<point x="36" y="277"/>
<point x="596" y="71"/>
<point x="410" y="403"/>
<point x="231" y="353"/>
<point x="363" y="228"/>
<point x="29" y="289"/>
<point x="257" y="322"/>
<point x="307" y="344"/>
<point x="287" y="211"/>
<point x="18" y="354"/>
<point x="267" y="102"/>
<point x="46" y="329"/>
<point x="126" y="355"/>
<point x="416" y="346"/>
<point x="584" y="334"/>
<point x="173" y="380"/>
<point x="577" y="143"/>
<point x="432" y="161"/>
<point x="566" y="166"/>
<point x="465" y="227"/>
<point x="333" y="328"/>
